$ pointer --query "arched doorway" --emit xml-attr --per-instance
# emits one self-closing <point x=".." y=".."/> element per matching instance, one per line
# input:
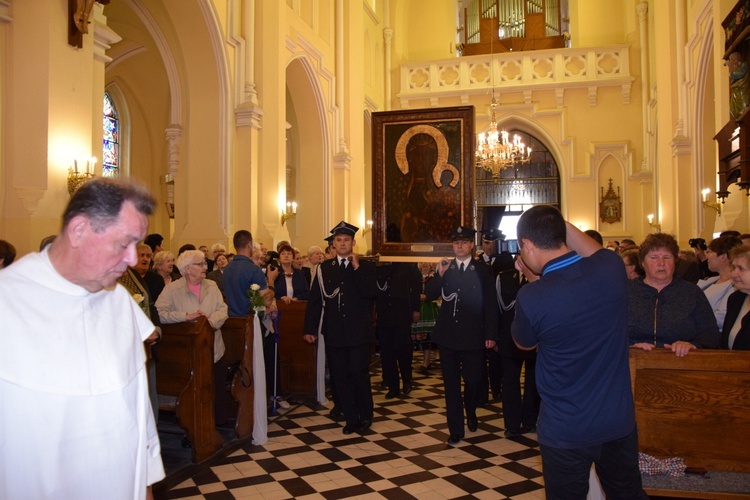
<point x="500" y="201"/>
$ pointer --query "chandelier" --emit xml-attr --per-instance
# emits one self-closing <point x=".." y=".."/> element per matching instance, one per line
<point x="495" y="151"/>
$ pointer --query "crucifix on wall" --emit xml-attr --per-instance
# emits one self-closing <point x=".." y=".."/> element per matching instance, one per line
<point x="79" y="12"/>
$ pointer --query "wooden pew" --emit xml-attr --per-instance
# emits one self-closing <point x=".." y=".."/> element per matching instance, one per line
<point x="185" y="370"/>
<point x="696" y="407"/>
<point x="298" y="358"/>
<point x="238" y="338"/>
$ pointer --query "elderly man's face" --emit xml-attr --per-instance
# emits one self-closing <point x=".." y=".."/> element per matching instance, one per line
<point x="108" y="252"/>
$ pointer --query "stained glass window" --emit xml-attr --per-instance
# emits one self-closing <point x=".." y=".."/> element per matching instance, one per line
<point x="111" y="142"/>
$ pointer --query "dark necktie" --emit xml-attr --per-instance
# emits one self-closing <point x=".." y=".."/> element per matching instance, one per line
<point x="461" y="268"/>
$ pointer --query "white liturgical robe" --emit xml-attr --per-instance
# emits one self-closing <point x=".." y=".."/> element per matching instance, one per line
<point x="75" y="417"/>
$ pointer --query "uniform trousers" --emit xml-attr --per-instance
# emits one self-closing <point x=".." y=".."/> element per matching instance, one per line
<point x="350" y="371"/>
<point x="566" y="471"/>
<point x="519" y="409"/>
<point x="395" y="354"/>
<point x="331" y="381"/>
<point x="455" y="365"/>
<point x="492" y="376"/>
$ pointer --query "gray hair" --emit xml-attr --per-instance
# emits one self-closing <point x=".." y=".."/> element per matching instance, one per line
<point x="314" y="249"/>
<point x="101" y="199"/>
<point x="189" y="257"/>
<point x="160" y="257"/>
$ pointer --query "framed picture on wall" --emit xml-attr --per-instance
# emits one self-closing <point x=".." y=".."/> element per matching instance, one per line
<point x="423" y="180"/>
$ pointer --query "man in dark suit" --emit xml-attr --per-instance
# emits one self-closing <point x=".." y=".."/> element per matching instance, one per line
<point x="492" y="373"/>
<point x="343" y="296"/>
<point x="397" y="307"/>
<point x="465" y="327"/>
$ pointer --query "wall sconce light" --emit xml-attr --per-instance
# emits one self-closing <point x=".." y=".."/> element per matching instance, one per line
<point x="368" y="229"/>
<point x="710" y="204"/>
<point x="290" y="212"/>
<point x="651" y="223"/>
<point x="77" y="179"/>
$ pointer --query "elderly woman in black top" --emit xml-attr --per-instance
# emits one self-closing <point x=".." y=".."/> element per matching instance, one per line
<point x="665" y="311"/>
<point x="736" y="332"/>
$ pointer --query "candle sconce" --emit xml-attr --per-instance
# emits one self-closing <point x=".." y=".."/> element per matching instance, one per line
<point x="289" y="213"/>
<point x="710" y="204"/>
<point x="653" y="224"/>
<point x="77" y="179"/>
<point x="368" y="229"/>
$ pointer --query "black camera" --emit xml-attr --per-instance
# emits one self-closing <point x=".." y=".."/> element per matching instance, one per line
<point x="697" y="243"/>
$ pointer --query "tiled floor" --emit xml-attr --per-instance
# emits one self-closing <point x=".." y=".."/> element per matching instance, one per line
<point x="404" y="455"/>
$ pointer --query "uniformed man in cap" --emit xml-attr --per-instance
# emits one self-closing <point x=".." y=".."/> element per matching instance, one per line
<point x="465" y="327"/>
<point x="492" y="374"/>
<point x="340" y="308"/>
<point x="489" y="251"/>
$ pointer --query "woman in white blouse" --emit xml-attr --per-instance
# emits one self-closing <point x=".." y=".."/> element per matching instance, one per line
<point x="718" y="288"/>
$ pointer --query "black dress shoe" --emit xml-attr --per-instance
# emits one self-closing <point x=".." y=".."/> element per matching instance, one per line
<point x="350" y="428"/>
<point x="527" y="430"/>
<point x="454" y="439"/>
<point x="472" y="424"/>
<point x="363" y="426"/>
<point x="335" y="412"/>
<point x="510" y="433"/>
<point x="391" y="394"/>
<point x="407" y="388"/>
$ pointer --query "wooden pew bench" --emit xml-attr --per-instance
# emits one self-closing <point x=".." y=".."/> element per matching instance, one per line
<point x="184" y="372"/>
<point x="238" y="338"/>
<point x="298" y="359"/>
<point x="696" y="408"/>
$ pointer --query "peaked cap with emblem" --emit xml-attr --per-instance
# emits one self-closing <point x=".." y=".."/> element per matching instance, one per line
<point x="463" y="233"/>
<point x="344" y="227"/>
<point x="329" y="240"/>
<point x="492" y="234"/>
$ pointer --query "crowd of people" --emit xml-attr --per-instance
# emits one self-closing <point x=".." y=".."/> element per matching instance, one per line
<point x="563" y="313"/>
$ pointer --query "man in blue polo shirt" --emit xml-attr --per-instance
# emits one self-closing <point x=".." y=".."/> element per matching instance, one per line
<point x="241" y="273"/>
<point x="576" y="315"/>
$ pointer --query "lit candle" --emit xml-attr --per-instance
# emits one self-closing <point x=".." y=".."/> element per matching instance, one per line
<point x="705" y="193"/>
<point x="294" y="207"/>
<point x="288" y="207"/>
<point x="369" y="224"/>
<point x="650" y="218"/>
<point x="93" y="164"/>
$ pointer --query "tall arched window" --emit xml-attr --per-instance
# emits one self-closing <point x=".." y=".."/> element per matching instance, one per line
<point x="111" y="141"/>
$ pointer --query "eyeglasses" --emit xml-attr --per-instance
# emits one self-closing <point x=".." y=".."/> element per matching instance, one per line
<point x="201" y="264"/>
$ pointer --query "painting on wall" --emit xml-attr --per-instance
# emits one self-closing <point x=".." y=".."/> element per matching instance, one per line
<point x="423" y="180"/>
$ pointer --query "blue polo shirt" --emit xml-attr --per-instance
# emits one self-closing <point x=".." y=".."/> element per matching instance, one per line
<point x="577" y="315"/>
<point x="238" y="276"/>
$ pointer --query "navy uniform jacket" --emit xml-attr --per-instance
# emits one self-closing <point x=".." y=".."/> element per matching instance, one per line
<point x="399" y="287"/>
<point x="465" y="322"/>
<point x="347" y="319"/>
